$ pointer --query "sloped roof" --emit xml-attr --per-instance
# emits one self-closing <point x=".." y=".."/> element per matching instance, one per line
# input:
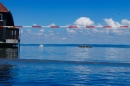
<point x="3" y="8"/>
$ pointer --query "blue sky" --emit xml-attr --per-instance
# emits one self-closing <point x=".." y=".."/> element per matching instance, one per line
<point x="71" y="12"/>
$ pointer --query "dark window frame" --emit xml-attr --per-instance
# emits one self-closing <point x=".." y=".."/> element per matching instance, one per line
<point x="1" y="17"/>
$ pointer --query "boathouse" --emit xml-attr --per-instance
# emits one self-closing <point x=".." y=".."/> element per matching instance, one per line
<point x="8" y="36"/>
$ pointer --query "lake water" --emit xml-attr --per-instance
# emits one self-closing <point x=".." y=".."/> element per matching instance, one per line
<point x="65" y="65"/>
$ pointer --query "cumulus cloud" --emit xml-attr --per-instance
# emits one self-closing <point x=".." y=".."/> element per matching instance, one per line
<point x="29" y="31"/>
<point x="111" y="22"/>
<point x="51" y="34"/>
<point x="50" y="31"/>
<point x="117" y="31"/>
<point x="125" y="22"/>
<point x="45" y="35"/>
<point x="34" y="24"/>
<point x="70" y="30"/>
<point x="84" y="21"/>
<point x="63" y="38"/>
<point x="41" y="30"/>
<point x="99" y="25"/>
<point x="52" y="24"/>
<point x="74" y="34"/>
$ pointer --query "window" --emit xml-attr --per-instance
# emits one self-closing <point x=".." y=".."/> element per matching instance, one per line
<point x="1" y="17"/>
<point x="12" y="33"/>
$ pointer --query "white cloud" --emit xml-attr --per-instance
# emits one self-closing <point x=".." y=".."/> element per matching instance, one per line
<point x="111" y="22"/>
<point x="51" y="34"/>
<point x="41" y="30"/>
<point x="63" y="38"/>
<point x="50" y="31"/>
<point x="20" y="31"/>
<point x="57" y="33"/>
<point x="29" y="31"/>
<point x="52" y="24"/>
<point x="70" y="30"/>
<point x="46" y="35"/>
<point x="79" y="35"/>
<point x="95" y="30"/>
<point x="34" y="24"/>
<point x="84" y="21"/>
<point x="125" y="22"/>
<point x="99" y="25"/>
<point x="117" y="31"/>
<point x="39" y="33"/>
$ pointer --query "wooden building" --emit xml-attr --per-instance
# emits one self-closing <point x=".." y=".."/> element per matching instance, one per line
<point x="8" y="36"/>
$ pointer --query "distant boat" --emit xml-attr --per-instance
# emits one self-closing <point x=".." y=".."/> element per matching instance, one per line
<point x="85" y="46"/>
<point x="41" y="45"/>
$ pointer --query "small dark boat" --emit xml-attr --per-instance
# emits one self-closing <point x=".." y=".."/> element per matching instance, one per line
<point x="85" y="46"/>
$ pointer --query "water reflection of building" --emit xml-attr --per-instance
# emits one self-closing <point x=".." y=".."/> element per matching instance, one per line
<point x="6" y="70"/>
<point x="9" y="52"/>
<point x="6" y="75"/>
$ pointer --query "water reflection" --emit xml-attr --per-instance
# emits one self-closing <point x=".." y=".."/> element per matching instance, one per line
<point x="118" y="54"/>
<point x="6" y="69"/>
<point x="6" y="75"/>
<point x="9" y="52"/>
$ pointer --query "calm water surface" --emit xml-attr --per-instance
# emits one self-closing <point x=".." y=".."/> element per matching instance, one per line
<point x="54" y="65"/>
<point x="73" y="53"/>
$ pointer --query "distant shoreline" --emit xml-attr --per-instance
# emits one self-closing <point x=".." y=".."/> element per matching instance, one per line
<point x="76" y="45"/>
